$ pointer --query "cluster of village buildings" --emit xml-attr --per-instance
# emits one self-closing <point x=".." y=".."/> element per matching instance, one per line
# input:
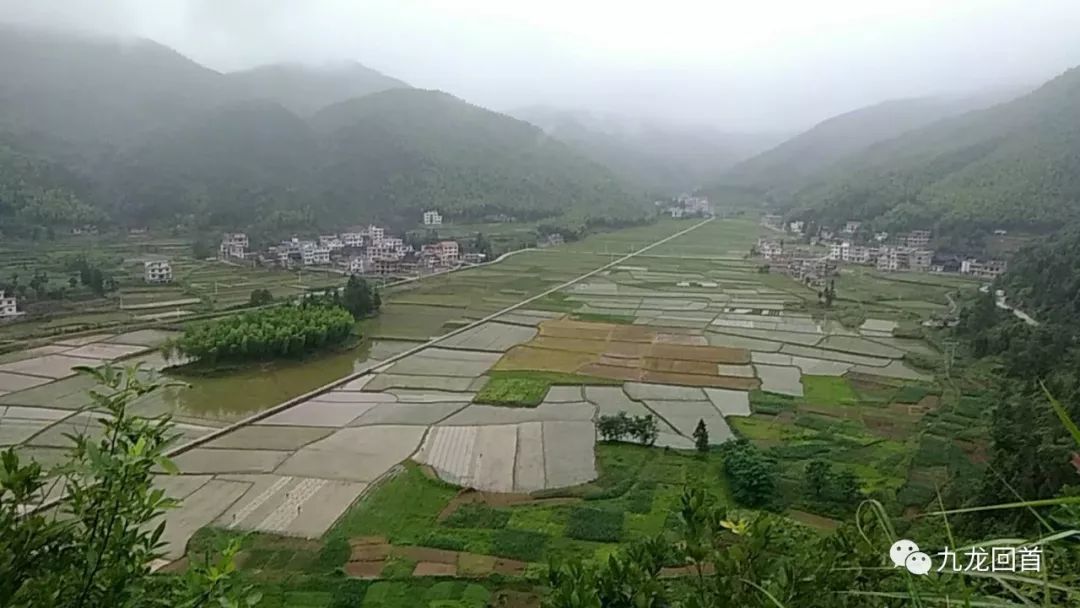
<point x="686" y="205"/>
<point x="907" y="252"/>
<point x="367" y="250"/>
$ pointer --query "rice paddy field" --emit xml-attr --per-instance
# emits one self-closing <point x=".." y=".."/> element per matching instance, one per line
<point x="462" y="453"/>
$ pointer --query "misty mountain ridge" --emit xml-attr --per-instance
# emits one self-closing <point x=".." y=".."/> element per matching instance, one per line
<point x="665" y="158"/>
<point x="813" y="152"/>
<point x="306" y="89"/>
<point x="197" y="146"/>
<point x="1011" y="165"/>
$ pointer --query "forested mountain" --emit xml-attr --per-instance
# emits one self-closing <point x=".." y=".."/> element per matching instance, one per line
<point x="1016" y="165"/>
<point x="306" y="90"/>
<point x="666" y="159"/>
<point x="1011" y="165"/>
<point x="839" y="138"/>
<point x="60" y="89"/>
<point x="93" y="129"/>
<point x="389" y="155"/>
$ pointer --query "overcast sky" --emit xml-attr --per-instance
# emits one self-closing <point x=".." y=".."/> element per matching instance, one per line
<point x="739" y="64"/>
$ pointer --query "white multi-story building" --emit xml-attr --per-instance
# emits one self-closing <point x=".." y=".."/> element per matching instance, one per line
<point x="917" y="239"/>
<point x="234" y="245"/>
<point x="157" y="271"/>
<point x="770" y="249"/>
<point x="352" y="239"/>
<point x="357" y="265"/>
<point x="374" y="235"/>
<point x="444" y="253"/>
<point x="315" y="256"/>
<point x="432" y="218"/>
<point x="331" y="242"/>
<point x="988" y="270"/>
<point x="796" y="227"/>
<point x="851" y="227"/>
<point x="8" y="307"/>
<point x="676" y="212"/>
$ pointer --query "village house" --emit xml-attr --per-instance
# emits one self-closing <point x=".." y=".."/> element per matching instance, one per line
<point x="676" y="212"/>
<point x="904" y="259"/>
<point x="432" y="218"/>
<point x="386" y="264"/>
<point x="352" y="239"/>
<point x="331" y="242"/>
<point x="916" y="239"/>
<point x="445" y="253"/>
<point x="157" y="271"/>
<point x="770" y="249"/>
<point x="233" y="245"/>
<point x="987" y="271"/>
<point x="851" y="227"/>
<point x="8" y="308"/>
<point x="881" y="237"/>
<point x="696" y="205"/>
<point x="357" y="265"/>
<point x="373" y="234"/>
<point x="772" y="220"/>
<point x="315" y="255"/>
<point x="473" y="258"/>
<point x="552" y="240"/>
<point x="796" y="227"/>
<point x="811" y="268"/>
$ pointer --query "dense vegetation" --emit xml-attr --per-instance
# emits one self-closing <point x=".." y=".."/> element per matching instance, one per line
<point x="813" y="153"/>
<point x="277" y="332"/>
<point x="621" y="427"/>
<point x="1011" y="166"/>
<point x="191" y="146"/>
<point x="99" y="552"/>
<point x="1031" y="452"/>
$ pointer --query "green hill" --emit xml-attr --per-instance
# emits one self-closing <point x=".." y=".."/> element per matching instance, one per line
<point x="145" y="136"/>
<point x="1014" y="165"/>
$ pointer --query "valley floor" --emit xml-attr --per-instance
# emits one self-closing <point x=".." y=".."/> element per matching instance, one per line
<point x="365" y="476"/>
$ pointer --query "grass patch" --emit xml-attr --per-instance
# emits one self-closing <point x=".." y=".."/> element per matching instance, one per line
<point x="519" y="544"/>
<point x="402" y="509"/>
<point x="528" y="388"/>
<point x="595" y="525"/>
<point x="912" y="393"/>
<point x="827" y="390"/>
<point x="477" y="516"/>
<point x="513" y="392"/>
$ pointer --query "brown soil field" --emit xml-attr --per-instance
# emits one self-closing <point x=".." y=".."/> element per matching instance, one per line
<point x="681" y="366"/>
<point x="741" y="384"/>
<point x="434" y="569"/>
<point x="542" y="359"/>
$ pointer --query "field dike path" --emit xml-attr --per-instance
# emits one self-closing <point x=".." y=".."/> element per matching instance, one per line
<point x="222" y="493"/>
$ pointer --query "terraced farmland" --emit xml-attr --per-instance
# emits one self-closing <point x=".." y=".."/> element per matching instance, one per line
<point x="410" y="470"/>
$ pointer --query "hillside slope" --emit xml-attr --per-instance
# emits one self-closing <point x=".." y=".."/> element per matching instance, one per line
<point x="93" y="92"/>
<point x="1016" y="164"/>
<point x="304" y="90"/>
<point x="143" y="136"/>
<point x="416" y="147"/>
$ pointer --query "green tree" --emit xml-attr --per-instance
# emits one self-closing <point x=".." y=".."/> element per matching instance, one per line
<point x="701" y="437"/>
<point x="95" y="546"/>
<point x="260" y="297"/>
<point x="751" y="475"/>
<point x="357" y="298"/>
<point x="818" y="474"/>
